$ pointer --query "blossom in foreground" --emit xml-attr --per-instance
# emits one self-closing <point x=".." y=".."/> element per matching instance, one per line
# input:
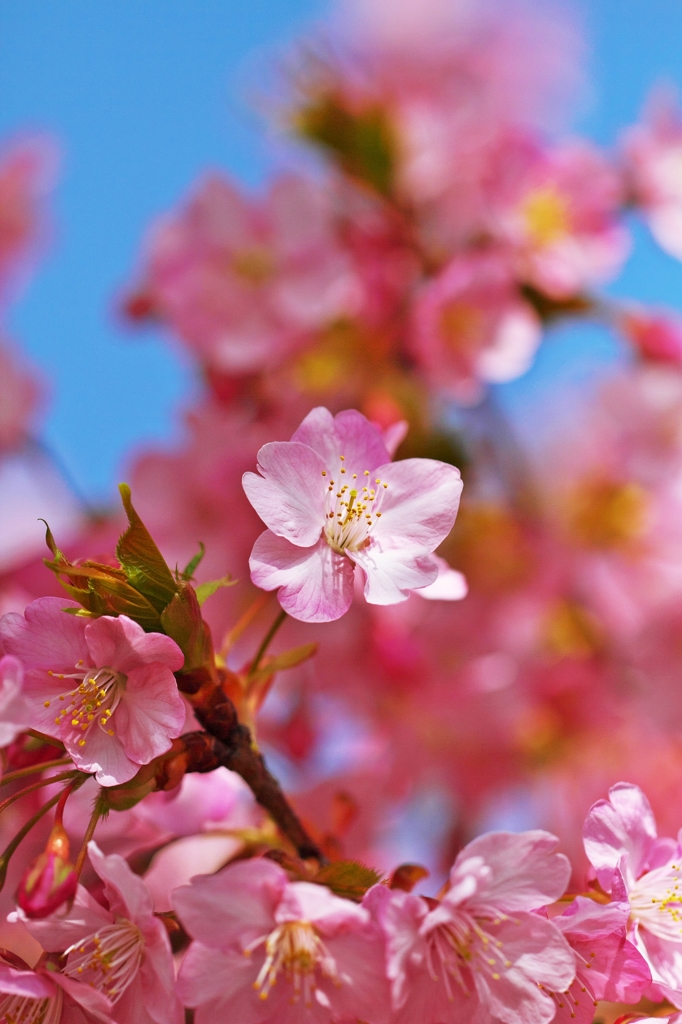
<point x="607" y="965"/>
<point x="480" y="950"/>
<point x="270" y="951"/>
<point x="121" y="952"/>
<point x="637" y="867"/>
<point x="333" y="501"/>
<point x="472" y="327"/>
<point x="104" y="687"/>
<point x="14" y="709"/>
<point x="42" y="996"/>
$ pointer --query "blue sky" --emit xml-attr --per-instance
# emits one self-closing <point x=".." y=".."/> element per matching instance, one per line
<point x="143" y="94"/>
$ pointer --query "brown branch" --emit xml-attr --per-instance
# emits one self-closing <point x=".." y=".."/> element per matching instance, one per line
<point x="231" y="746"/>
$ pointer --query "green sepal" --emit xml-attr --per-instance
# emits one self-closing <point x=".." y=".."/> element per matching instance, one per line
<point x="191" y="567"/>
<point x="347" y="878"/>
<point x="142" y="562"/>
<point x="206" y="590"/>
<point x="182" y="621"/>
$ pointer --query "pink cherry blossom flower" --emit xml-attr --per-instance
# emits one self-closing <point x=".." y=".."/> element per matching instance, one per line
<point x="104" y="687"/>
<point x="472" y="327"/>
<point x="607" y="965"/>
<point x="558" y="210"/>
<point x="332" y="501"/>
<point x="656" y="336"/>
<point x="480" y="950"/>
<point x="15" y="713"/>
<point x="45" y="996"/>
<point x="244" y="283"/>
<point x="20" y="393"/>
<point x="122" y="952"/>
<point x="637" y="867"/>
<point x="653" y="165"/>
<point x="270" y="951"/>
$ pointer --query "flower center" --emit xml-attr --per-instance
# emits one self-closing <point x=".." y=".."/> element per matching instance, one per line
<point x="108" y="960"/>
<point x="546" y="215"/>
<point x="295" y="949"/>
<point x="351" y="509"/>
<point x="463" y="943"/>
<point x="92" y="702"/>
<point x="27" y="1010"/>
<point x="656" y="902"/>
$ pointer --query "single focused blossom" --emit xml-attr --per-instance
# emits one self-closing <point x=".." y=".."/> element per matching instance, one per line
<point x="104" y="687"/>
<point x="473" y="328"/>
<point x="122" y="952"/>
<point x="644" y="871"/>
<point x="607" y="965"/>
<point x="15" y="710"/>
<point x="270" y="951"/>
<point x="333" y="501"/>
<point x="480" y="952"/>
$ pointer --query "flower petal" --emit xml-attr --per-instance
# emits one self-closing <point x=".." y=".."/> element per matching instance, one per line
<point x="349" y="433"/>
<point x="316" y="583"/>
<point x="150" y="714"/>
<point x="451" y="585"/>
<point x="289" y="496"/>
<point x="122" y="644"/>
<point x="620" y="831"/>
<point x="127" y="894"/>
<point x="419" y="505"/>
<point x="524" y="870"/>
<point x="391" y="574"/>
<point x="45" y="636"/>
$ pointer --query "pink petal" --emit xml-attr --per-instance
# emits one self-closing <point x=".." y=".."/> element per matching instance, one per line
<point x="233" y="907"/>
<point x="450" y="585"/>
<point x="123" y="645"/>
<point x="621" y="827"/>
<point x="391" y="574"/>
<point x="419" y="506"/>
<point x="150" y="714"/>
<point x="305" y="901"/>
<point x="14" y="709"/>
<point x="290" y="495"/>
<point x="127" y="894"/>
<point x="220" y="984"/>
<point x="157" y="977"/>
<point x="96" y="1005"/>
<point x="617" y="970"/>
<point x="525" y="871"/>
<point x="316" y="583"/>
<point x="104" y="755"/>
<point x="349" y="433"/>
<point x="45" y="636"/>
<point x="24" y="983"/>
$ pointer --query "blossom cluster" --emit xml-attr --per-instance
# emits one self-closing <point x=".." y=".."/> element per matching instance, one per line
<point x="447" y="626"/>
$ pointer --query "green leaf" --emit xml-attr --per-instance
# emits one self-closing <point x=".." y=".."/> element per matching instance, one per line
<point x="191" y="567"/>
<point x="348" y="878"/>
<point x="206" y="590"/>
<point x="141" y="560"/>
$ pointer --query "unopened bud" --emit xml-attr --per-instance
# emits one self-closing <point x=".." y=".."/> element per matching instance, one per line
<point x="51" y="880"/>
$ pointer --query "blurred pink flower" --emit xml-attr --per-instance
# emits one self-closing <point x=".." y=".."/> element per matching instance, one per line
<point x="20" y="394"/>
<point x="480" y="950"/>
<point x="473" y="328"/>
<point x="267" y="950"/>
<point x="387" y="519"/>
<point x="638" y="868"/>
<point x="652" y="152"/>
<point x="607" y="965"/>
<point x="244" y="283"/>
<point x="120" y="706"/>
<point x="656" y="336"/>
<point x="15" y="711"/>
<point x="558" y="210"/>
<point x="122" y="952"/>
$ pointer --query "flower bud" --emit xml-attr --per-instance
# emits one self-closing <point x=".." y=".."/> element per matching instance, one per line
<point x="51" y="880"/>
